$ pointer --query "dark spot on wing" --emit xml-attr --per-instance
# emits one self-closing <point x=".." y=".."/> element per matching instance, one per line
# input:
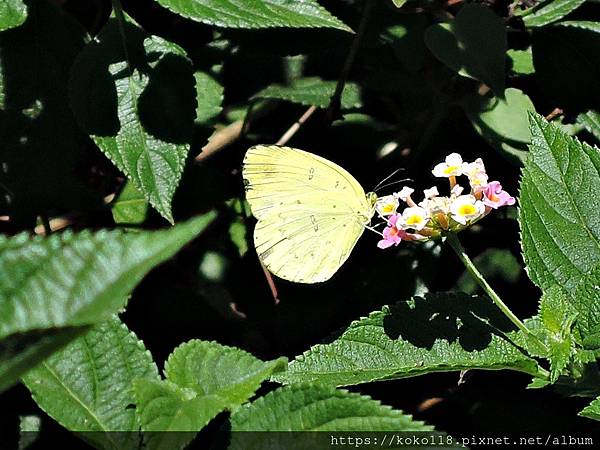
<point x="314" y="222"/>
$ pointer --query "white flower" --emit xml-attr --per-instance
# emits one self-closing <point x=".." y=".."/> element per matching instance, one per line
<point x="478" y="178"/>
<point x="452" y="167"/>
<point x="466" y="208"/>
<point x="387" y="205"/>
<point x="431" y="192"/>
<point x="436" y="205"/>
<point x="414" y="217"/>
<point x="456" y="191"/>
<point x="405" y="193"/>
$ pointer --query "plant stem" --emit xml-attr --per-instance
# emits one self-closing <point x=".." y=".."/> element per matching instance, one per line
<point x="464" y="258"/>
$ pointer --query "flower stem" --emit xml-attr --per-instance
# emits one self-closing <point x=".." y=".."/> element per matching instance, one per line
<point x="462" y="255"/>
<point x="460" y="252"/>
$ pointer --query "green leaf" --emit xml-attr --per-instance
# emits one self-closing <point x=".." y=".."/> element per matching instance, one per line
<point x="582" y="24"/>
<point x="130" y="207"/>
<point x="502" y="122"/>
<point x="170" y="415"/>
<point x="40" y="140"/>
<point x="586" y="300"/>
<point x="521" y="61"/>
<point x="237" y="234"/>
<point x="313" y="91"/>
<point x="437" y="333"/>
<point x="557" y="317"/>
<point x="473" y="44"/>
<point x="591" y="121"/>
<point x="203" y="379"/>
<point x="314" y="407"/>
<point x="86" y="387"/>
<point x="209" y="97"/>
<point x="12" y="14"/>
<point x="592" y="411"/>
<point x="51" y="287"/>
<point x="135" y="95"/>
<point x="560" y="233"/>
<point x="550" y="11"/>
<point x="398" y="3"/>
<point x="211" y="369"/>
<point x="256" y="13"/>
<point x="22" y="351"/>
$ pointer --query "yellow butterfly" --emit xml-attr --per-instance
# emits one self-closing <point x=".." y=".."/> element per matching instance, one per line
<point x="310" y="212"/>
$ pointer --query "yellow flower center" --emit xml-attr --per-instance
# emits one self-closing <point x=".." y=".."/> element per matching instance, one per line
<point x="450" y="169"/>
<point x="414" y="220"/>
<point x="467" y="210"/>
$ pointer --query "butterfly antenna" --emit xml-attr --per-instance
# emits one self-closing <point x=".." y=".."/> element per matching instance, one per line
<point x="387" y="178"/>
<point x="392" y="183"/>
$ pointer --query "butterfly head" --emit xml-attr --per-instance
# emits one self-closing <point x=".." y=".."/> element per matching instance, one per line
<point x="371" y="200"/>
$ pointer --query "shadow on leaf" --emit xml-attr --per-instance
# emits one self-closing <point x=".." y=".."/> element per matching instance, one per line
<point x="470" y="321"/>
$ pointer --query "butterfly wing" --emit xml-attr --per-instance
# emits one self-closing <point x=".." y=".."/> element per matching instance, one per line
<point x="310" y="212"/>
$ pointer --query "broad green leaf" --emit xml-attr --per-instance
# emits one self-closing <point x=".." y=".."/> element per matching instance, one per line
<point x="473" y="44"/>
<point x="256" y="13"/>
<point x="586" y="300"/>
<point x="209" y="97"/>
<point x="437" y="333"/>
<point x="87" y="386"/>
<point x="134" y="93"/>
<point x="582" y="24"/>
<point x="211" y="369"/>
<point x="592" y="411"/>
<point x="558" y="214"/>
<point x="40" y="140"/>
<point x="20" y="352"/>
<point x="171" y="415"/>
<point x="313" y="91"/>
<point x="557" y="316"/>
<point x="521" y="61"/>
<point x="12" y="14"/>
<point x="313" y="407"/>
<point x="51" y="288"/>
<point x="502" y="122"/>
<point x="591" y="121"/>
<point x="565" y="59"/>
<point x="130" y="207"/>
<point x="203" y="379"/>
<point x="550" y="11"/>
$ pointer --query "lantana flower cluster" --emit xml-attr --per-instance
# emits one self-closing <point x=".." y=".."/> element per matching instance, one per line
<point x="435" y="215"/>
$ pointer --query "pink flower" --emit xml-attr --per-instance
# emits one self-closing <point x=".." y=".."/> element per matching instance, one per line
<point x="391" y="234"/>
<point x="495" y="197"/>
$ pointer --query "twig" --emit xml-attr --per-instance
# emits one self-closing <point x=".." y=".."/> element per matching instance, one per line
<point x="226" y="136"/>
<point x="221" y="139"/>
<point x="555" y="112"/>
<point x="56" y="224"/>
<point x="335" y="104"/>
<point x="296" y="126"/>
